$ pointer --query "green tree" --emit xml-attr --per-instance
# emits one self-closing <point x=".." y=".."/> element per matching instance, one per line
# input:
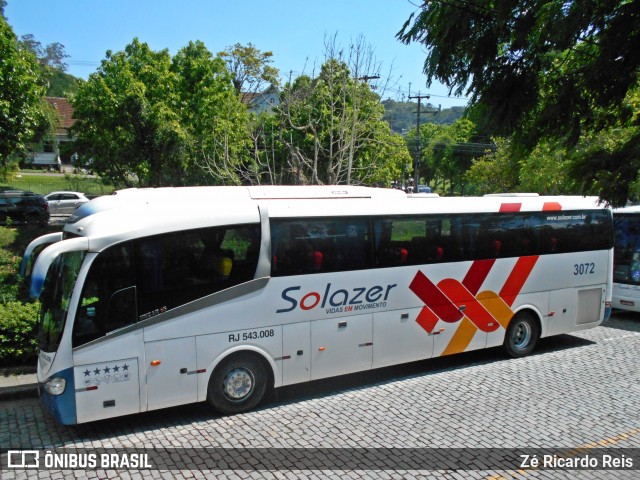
<point x="250" y="67"/>
<point x="145" y="119"/>
<point x="213" y="115"/>
<point x="495" y="172"/>
<point x="51" y="59"/>
<point x="20" y="98"/>
<point x="544" y="170"/>
<point x="334" y="130"/>
<point x="452" y="151"/>
<point x="62" y="84"/>
<point x="447" y="152"/>
<point x="402" y="115"/>
<point x="125" y="127"/>
<point x="427" y="167"/>
<point x="554" y="69"/>
<point x="49" y="56"/>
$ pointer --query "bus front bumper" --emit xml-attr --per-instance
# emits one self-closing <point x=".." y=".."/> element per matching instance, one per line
<point x="63" y="406"/>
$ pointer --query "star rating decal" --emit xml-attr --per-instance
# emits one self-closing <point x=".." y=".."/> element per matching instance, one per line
<point x="97" y="375"/>
<point x="106" y="369"/>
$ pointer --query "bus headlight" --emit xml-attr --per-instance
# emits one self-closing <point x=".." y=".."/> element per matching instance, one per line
<point x="55" y="386"/>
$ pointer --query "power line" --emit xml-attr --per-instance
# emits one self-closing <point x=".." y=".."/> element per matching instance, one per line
<point x="83" y="63"/>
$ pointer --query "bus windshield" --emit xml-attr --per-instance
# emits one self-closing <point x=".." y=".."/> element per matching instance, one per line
<point x="55" y="298"/>
<point x="627" y="249"/>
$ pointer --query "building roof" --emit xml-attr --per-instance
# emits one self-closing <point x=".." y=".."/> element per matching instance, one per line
<point x="65" y="110"/>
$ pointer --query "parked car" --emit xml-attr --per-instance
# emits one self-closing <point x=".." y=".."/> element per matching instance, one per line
<point x="64" y="203"/>
<point x="21" y="206"/>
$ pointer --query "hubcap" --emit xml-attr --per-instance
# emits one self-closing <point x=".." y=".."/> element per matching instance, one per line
<point x="521" y="335"/>
<point x="238" y="384"/>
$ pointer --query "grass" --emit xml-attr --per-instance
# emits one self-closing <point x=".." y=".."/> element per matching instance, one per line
<point x="7" y="236"/>
<point x="44" y="184"/>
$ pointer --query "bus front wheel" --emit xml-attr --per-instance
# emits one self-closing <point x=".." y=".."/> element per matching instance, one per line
<point x="522" y="335"/>
<point x="238" y="384"/>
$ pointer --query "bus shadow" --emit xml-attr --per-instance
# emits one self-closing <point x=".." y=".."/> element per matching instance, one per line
<point x="421" y="368"/>
<point x="623" y="320"/>
<point x="188" y="415"/>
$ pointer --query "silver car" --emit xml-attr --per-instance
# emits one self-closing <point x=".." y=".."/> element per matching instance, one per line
<point x="64" y="203"/>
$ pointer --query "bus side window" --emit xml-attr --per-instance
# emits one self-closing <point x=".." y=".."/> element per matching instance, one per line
<point x="318" y="245"/>
<point x="97" y="313"/>
<point x="176" y="268"/>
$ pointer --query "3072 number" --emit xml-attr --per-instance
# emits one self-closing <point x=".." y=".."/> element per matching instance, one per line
<point x="584" y="268"/>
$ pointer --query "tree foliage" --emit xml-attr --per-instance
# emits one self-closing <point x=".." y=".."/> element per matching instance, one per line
<point x="146" y="119"/>
<point x="327" y="129"/>
<point x="544" y="170"/>
<point x="62" y="84"/>
<point x="335" y="129"/>
<point x="495" y="172"/>
<point x="446" y="153"/>
<point x="20" y="97"/>
<point x="402" y="115"/>
<point x="555" y="69"/>
<point x="250" y="67"/>
<point x="49" y="56"/>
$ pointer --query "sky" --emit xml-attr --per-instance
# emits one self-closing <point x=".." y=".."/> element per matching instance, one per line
<point x="294" y="30"/>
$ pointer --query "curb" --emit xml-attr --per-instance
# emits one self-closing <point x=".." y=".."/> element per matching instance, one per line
<point x="18" y="392"/>
<point x="21" y="384"/>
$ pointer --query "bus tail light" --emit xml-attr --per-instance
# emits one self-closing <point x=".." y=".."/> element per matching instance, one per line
<point x="55" y="386"/>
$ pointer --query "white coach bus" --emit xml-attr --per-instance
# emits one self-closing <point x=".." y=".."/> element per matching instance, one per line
<point x="217" y="294"/>
<point x="626" y="258"/>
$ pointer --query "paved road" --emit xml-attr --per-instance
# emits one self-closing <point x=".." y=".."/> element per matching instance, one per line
<point x="576" y="391"/>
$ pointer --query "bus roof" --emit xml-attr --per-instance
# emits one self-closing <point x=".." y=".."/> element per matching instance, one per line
<point x="139" y="212"/>
<point x="257" y="192"/>
<point x="170" y="195"/>
<point x="627" y="209"/>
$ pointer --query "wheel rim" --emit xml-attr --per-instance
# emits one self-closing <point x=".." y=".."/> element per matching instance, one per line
<point x="521" y="336"/>
<point x="238" y="384"/>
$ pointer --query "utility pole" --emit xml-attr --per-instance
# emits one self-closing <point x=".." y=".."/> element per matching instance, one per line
<point x="416" y="161"/>
<point x="365" y="78"/>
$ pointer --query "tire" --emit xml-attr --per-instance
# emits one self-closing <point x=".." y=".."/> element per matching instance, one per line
<point x="522" y="335"/>
<point x="238" y="384"/>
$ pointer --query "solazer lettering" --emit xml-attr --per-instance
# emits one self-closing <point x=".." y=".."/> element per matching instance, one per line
<point x="334" y="298"/>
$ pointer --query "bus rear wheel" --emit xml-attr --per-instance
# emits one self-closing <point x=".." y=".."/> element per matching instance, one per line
<point x="522" y="335"/>
<point x="238" y="384"/>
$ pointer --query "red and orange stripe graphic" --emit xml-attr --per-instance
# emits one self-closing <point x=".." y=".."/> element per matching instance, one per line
<point x="453" y="301"/>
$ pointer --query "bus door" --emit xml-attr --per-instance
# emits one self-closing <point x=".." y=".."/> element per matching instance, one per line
<point x="399" y="337"/>
<point x="171" y="372"/>
<point x="572" y="307"/>
<point x="106" y="389"/>
<point x="296" y="346"/>
<point x="341" y="345"/>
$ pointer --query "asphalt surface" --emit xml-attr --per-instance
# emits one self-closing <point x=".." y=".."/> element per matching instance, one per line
<point x="577" y="394"/>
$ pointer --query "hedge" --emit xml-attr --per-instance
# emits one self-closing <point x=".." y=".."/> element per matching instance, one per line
<point x="18" y="339"/>
<point x="9" y="278"/>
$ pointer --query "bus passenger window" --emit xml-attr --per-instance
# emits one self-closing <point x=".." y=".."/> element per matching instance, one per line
<point x="318" y="245"/>
<point x="415" y="240"/>
<point x="110" y="273"/>
<point x="180" y="267"/>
